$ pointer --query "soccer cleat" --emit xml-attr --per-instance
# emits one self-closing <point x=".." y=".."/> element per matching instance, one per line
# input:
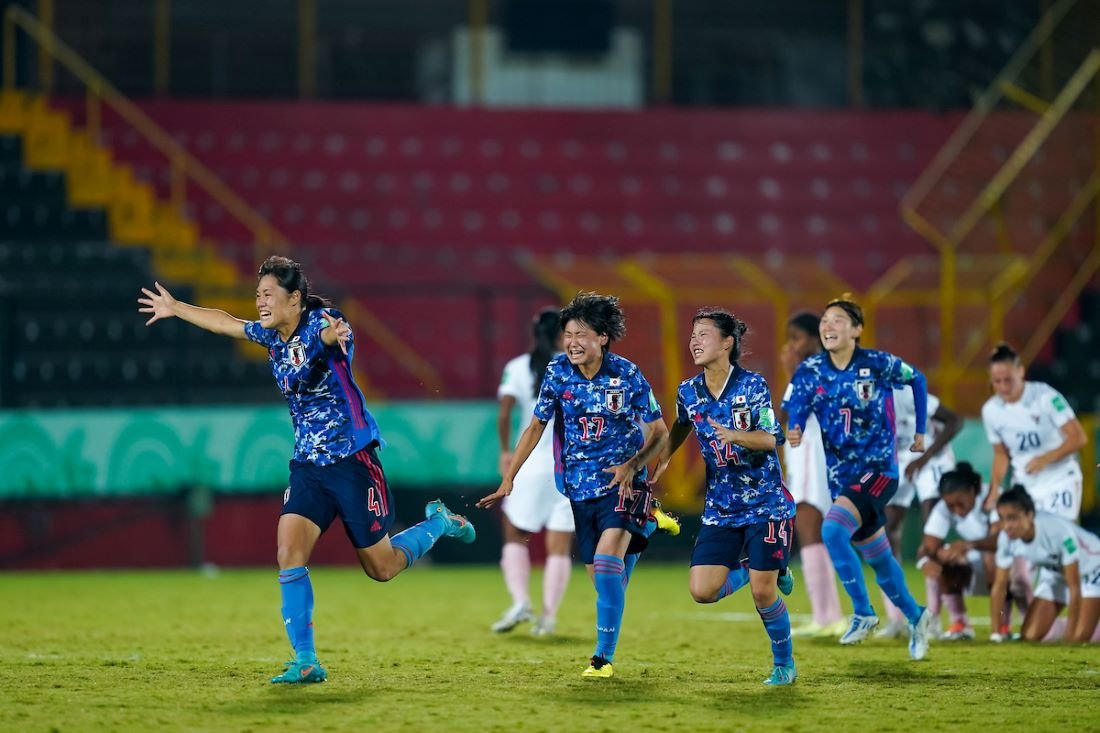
<point x="665" y="522"/>
<point x="544" y="626"/>
<point x="836" y="629"/>
<point x="598" y="667"/>
<point x="513" y="617"/>
<point x="301" y="672"/>
<point x="785" y="581"/>
<point x="458" y="526"/>
<point x="859" y="629"/>
<point x="959" y="632"/>
<point x="810" y="630"/>
<point x="919" y="636"/>
<point x="782" y="675"/>
<point x="893" y="630"/>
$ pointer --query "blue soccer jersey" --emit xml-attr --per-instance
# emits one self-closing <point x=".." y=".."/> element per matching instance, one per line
<point x="744" y="486"/>
<point x="855" y="407"/>
<point x="599" y="421"/>
<point x="331" y="421"/>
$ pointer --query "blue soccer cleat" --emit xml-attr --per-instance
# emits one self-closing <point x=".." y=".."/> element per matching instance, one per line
<point x="458" y="526"/>
<point x="785" y="581"/>
<point x="301" y="672"/>
<point x="782" y="675"/>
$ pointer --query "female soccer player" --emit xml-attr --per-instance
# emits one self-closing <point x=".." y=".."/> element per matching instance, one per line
<point x="607" y="424"/>
<point x="808" y="481"/>
<point x="335" y="468"/>
<point x="535" y="502"/>
<point x="747" y="509"/>
<point x="1068" y="559"/>
<point x="965" y="565"/>
<point x="1033" y="428"/>
<point x="849" y="389"/>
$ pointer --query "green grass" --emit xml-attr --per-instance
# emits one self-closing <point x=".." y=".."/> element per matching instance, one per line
<point x="180" y="650"/>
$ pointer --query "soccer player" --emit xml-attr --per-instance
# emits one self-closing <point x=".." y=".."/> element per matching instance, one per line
<point x="1068" y="559"/>
<point x="808" y="482"/>
<point x="607" y="425"/>
<point x="965" y="565"/>
<point x="1033" y="429"/>
<point x="535" y="502"/>
<point x="850" y="390"/>
<point x="918" y="476"/>
<point x="747" y="509"/>
<point x="335" y="468"/>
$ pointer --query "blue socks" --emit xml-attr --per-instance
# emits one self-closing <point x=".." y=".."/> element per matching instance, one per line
<point x="836" y="531"/>
<point x="610" y="600"/>
<point x="628" y="567"/>
<point x="415" y="541"/>
<point x="890" y="576"/>
<point x="297" y="594"/>
<point x="777" y="622"/>
<point x="736" y="580"/>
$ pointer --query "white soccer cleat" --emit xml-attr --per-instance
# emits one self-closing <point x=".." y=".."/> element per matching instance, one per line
<point x="893" y="630"/>
<point x="519" y="613"/>
<point x="919" y="634"/>
<point x="544" y="626"/>
<point x="860" y="628"/>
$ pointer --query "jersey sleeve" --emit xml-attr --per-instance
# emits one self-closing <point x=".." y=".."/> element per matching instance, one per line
<point x="763" y="415"/>
<point x="1055" y="403"/>
<point x="1003" y="556"/>
<point x="682" y="416"/>
<point x="511" y="380"/>
<point x="548" y="397"/>
<point x="643" y="401"/>
<point x="939" y="521"/>
<point x="897" y="373"/>
<point x="796" y="400"/>
<point x="253" y="331"/>
<point x="933" y="404"/>
<point x="310" y="334"/>
<point x="1068" y="548"/>
<point x="992" y="434"/>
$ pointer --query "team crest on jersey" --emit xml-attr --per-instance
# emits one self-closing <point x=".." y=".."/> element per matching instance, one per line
<point x="742" y="418"/>
<point x="614" y="399"/>
<point x="865" y="389"/>
<point x="297" y="351"/>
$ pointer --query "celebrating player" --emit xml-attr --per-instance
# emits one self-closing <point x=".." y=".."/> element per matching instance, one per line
<point x="808" y="481"/>
<point x="1033" y="428"/>
<point x="747" y="508"/>
<point x="1068" y="559"/>
<point x="535" y="502"/>
<point x="335" y="468"/>
<point x="849" y="389"/>
<point x="607" y="425"/>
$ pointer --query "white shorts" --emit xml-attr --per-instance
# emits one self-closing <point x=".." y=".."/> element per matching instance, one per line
<point x="807" y="477"/>
<point x="1051" y="586"/>
<point x="1061" y="497"/>
<point x="926" y="485"/>
<point x="536" y="504"/>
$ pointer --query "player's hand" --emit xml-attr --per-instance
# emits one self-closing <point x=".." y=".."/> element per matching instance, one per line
<point x="504" y="462"/>
<point x="990" y="503"/>
<point x="726" y="436"/>
<point x="622" y="477"/>
<point x="931" y="569"/>
<point x="954" y="552"/>
<point x="339" y="329"/>
<point x="918" y="443"/>
<point x="1036" y="464"/>
<point x="161" y="303"/>
<point x="794" y="436"/>
<point x="502" y="491"/>
<point x="916" y="467"/>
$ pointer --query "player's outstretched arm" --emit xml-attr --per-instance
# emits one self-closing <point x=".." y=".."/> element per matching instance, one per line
<point x="162" y="305"/>
<point x="997" y="595"/>
<point x="526" y="444"/>
<point x="676" y="437"/>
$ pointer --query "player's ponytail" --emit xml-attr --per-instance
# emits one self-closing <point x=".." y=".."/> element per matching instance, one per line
<point x="545" y="330"/>
<point x="728" y="325"/>
<point x="1018" y="497"/>
<point x="1003" y="353"/>
<point x="290" y="277"/>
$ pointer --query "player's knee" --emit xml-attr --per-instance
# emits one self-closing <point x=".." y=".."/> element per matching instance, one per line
<point x="381" y="574"/>
<point x="701" y="593"/>
<point x="764" y="597"/>
<point x="1032" y="635"/>
<point x="833" y="532"/>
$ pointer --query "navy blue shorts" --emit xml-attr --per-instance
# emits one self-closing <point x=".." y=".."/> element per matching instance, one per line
<point x="592" y="516"/>
<point x="767" y="545"/>
<point x="354" y="489"/>
<point x="870" y="496"/>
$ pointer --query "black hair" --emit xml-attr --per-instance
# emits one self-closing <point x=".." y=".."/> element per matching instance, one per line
<point x="1002" y="353"/>
<point x="728" y="324"/>
<point x="545" y="329"/>
<point x="807" y="322"/>
<point x="290" y="277"/>
<point x="962" y="477"/>
<point x="601" y="313"/>
<point x="1017" y="496"/>
<point x="849" y="306"/>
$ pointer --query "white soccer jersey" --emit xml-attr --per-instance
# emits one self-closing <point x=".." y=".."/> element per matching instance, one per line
<point x="1030" y="427"/>
<point x="926" y="483"/>
<point x="807" y="477"/>
<point x="518" y="382"/>
<point x="1057" y="543"/>
<point x="974" y="526"/>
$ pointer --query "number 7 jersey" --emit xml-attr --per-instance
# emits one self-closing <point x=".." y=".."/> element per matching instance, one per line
<point x="597" y="422"/>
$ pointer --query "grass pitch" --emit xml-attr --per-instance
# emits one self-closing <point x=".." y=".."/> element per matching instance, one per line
<point x="182" y="650"/>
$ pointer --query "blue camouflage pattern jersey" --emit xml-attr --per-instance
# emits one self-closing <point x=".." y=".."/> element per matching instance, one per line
<point x="855" y="407"/>
<point x="331" y="421"/>
<point x="744" y="486"/>
<point x="599" y="421"/>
